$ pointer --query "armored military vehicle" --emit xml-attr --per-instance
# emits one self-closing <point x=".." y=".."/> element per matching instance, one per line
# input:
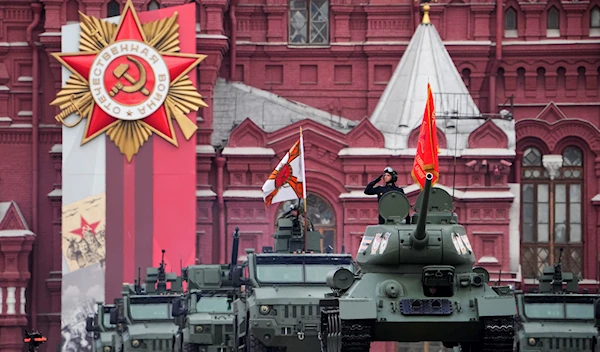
<point x="101" y="329"/>
<point x="417" y="283"/>
<point x="143" y="319"/>
<point x="557" y="317"/>
<point x="205" y="313"/>
<point x="278" y="310"/>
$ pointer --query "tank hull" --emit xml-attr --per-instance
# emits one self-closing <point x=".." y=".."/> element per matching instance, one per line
<point x="391" y="307"/>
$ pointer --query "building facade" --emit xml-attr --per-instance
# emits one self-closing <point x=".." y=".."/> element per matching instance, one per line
<point x="524" y="187"/>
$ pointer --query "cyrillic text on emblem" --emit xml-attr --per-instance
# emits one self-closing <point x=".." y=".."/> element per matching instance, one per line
<point x="129" y="80"/>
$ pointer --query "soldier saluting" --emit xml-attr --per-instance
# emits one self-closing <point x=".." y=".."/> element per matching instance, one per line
<point x="390" y="177"/>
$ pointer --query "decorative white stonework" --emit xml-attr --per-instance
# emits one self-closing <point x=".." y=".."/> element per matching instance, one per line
<point x="1" y="302"/>
<point x="10" y="300"/>
<point x="22" y="300"/>
<point x="552" y="163"/>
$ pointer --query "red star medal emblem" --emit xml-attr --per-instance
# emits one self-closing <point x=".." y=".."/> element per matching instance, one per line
<point x="136" y="81"/>
<point x="85" y="226"/>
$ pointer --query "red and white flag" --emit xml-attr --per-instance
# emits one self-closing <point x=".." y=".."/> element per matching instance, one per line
<point x="287" y="181"/>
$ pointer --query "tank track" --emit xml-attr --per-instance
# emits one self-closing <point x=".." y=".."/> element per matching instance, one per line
<point x="348" y="336"/>
<point x="498" y="334"/>
<point x="355" y="336"/>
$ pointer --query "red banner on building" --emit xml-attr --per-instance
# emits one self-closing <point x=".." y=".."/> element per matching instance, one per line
<point x="426" y="157"/>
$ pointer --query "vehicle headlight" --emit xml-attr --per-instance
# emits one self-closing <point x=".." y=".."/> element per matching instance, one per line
<point x="107" y="349"/>
<point x="531" y="341"/>
<point x="199" y="328"/>
<point x="135" y="343"/>
<point x="265" y="310"/>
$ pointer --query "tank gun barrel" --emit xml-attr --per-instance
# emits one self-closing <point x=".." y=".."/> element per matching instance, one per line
<point x="419" y="237"/>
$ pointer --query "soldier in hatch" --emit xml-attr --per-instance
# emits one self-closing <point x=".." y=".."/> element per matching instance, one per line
<point x="296" y="215"/>
<point x="390" y="177"/>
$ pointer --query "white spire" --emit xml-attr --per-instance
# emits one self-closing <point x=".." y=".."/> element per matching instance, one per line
<point x="400" y="108"/>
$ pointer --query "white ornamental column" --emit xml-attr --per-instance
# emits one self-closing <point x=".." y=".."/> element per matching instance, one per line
<point x="11" y="300"/>
<point x="552" y="164"/>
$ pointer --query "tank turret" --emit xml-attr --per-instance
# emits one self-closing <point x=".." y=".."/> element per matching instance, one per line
<point x="433" y="238"/>
<point x="417" y="278"/>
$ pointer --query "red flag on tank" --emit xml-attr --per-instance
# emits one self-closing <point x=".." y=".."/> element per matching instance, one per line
<point x="426" y="158"/>
<point x="288" y="180"/>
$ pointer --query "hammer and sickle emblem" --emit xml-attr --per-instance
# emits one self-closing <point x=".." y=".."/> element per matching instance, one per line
<point x="136" y="86"/>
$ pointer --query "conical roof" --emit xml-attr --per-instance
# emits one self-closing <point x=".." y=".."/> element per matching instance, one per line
<point x="426" y="60"/>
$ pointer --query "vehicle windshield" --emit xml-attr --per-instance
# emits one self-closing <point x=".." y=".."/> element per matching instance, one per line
<point x="213" y="305"/>
<point x="572" y="311"/>
<point x="295" y="273"/>
<point x="151" y="308"/>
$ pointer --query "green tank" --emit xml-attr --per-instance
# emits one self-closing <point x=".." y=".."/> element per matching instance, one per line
<point x="143" y="318"/>
<point x="557" y="317"/>
<point x="417" y="283"/>
<point x="205" y="313"/>
<point x="278" y="309"/>
<point x="101" y="329"/>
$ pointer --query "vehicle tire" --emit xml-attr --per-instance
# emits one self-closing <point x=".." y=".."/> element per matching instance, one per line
<point x="188" y="347"/>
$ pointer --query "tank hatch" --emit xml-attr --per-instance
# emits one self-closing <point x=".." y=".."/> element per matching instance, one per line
<point x="394" y="207"/>
<point x="440" y="208"/>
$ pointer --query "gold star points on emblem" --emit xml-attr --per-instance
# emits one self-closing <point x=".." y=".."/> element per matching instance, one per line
<point x="130" y="81"/>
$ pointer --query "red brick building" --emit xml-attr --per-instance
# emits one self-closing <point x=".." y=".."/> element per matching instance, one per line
<point x="324" y="65"/>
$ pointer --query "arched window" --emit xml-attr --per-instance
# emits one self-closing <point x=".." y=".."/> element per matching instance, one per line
<point x="113" y="8"/>
<point x="595" y="17"/>
<point x="466" y="76"/>
<point x="320" y="213"/>
<point x="551" y="204"/>
<point x="153" y="5"/>
<point x="595" y="21"/>
<point x="510" y="19"/>
<point x="553" y="20"/>
<point x="72" y="11"/>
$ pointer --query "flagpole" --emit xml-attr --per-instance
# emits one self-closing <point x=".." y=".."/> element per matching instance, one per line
<point x="303" y="187"/>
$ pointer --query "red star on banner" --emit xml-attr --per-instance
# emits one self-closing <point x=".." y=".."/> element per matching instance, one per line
<point x="81" y="64"/>
<point x="86" y="226"/>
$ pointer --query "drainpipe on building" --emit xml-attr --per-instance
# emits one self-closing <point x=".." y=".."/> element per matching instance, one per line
<point x="221" y="206"/>
<point x="233" y="34"/>
<point x="498" y="58"/>
<point x="37" y="11"/>
<point x="499" y="29"/>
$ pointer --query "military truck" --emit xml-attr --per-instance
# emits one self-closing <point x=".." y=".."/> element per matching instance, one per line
<point x="278" y="310"/>
<point x="101" y="329"/>
<point x="205" y="313"/>
<point x="143" y="318"/>
<point x="417" y="283"/>
<point x="557" y="317"/>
